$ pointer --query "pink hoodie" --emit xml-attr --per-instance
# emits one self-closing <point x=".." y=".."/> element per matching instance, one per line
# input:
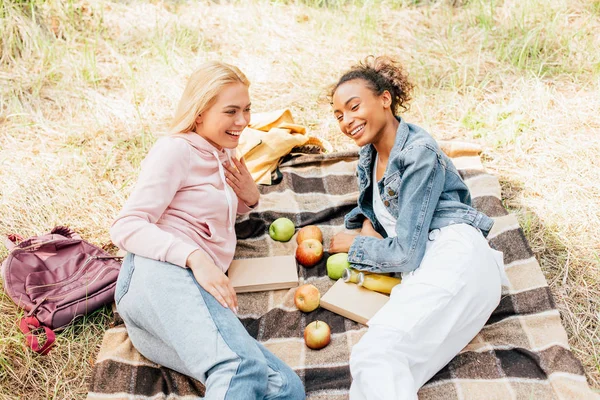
<point x="181" y="203"/>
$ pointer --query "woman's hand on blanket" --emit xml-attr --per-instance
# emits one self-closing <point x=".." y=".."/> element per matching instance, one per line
<point x="341" y="242"/>
<point x="212" y="279"/>
<point x="240" y="180"/>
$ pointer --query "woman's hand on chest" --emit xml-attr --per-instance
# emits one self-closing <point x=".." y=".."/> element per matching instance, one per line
<point x="240" y="180"/>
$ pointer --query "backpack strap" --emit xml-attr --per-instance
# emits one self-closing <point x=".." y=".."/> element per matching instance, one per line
<point x="28" y="325"/>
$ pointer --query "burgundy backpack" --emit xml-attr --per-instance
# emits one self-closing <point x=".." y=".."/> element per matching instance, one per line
<point x="56" y="277"/>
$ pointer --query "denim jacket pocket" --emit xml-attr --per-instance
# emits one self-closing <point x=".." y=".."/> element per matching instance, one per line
<point x="389" y="196"/>
<point x="124" y="279"/>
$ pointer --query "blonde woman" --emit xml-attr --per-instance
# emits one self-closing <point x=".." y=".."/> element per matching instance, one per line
<point x="178" y="229"/>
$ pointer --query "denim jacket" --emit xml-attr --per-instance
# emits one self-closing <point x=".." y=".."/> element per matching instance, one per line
<point x="422" y="189"/>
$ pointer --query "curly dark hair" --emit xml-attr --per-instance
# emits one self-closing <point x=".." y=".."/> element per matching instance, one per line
<point x="381" y="73"/>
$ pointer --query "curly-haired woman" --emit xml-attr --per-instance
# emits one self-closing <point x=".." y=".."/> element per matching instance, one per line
<point x="416" y="218"/>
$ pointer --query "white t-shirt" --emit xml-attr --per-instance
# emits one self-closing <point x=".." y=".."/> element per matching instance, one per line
<point x="384" y="217"/>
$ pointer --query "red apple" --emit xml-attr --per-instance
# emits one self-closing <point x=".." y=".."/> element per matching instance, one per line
<point x="307" y="297"/>
<point x="309" y="252"/>
<point x="309" y="232"/>
<point x="317" y="335"/>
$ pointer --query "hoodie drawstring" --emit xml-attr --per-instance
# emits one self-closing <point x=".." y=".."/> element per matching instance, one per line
<point x="230" y="219"/>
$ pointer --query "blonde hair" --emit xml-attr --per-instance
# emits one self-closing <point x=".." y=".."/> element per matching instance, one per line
<point x="201" y="92"/>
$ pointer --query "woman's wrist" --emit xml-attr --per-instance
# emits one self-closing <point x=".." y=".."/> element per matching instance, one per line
<point x="253" y="204"/>
<point x="196" y="259"/>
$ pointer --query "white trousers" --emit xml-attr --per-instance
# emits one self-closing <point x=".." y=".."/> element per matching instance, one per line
<point x="430" y="317"/>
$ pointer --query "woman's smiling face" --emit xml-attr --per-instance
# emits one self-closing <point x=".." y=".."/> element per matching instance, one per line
<point x="223" y="122"/>
<point x="360" y="112"/>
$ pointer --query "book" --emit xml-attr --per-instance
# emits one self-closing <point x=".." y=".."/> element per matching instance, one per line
<point x="264" y="273"/>
<point x="352" y="301"/>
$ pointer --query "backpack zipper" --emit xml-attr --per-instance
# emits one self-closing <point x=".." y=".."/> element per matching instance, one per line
<point x="37" y="305"/>
<point x="74" y="276"/>
<point x="69" y="280"/>
<point x="71" y="291"/>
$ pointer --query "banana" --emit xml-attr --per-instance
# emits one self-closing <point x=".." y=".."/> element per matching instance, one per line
<point x="377" y="282"/>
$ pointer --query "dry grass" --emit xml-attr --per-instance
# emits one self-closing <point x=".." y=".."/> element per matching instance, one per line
<point x="85" y="87"/>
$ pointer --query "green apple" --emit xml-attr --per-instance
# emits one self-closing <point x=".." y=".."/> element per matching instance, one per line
<point x="282" y="229"/>
<point x="336" y="264"/>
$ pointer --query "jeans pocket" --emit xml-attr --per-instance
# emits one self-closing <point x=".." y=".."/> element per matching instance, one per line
<point x="124" y="279"/>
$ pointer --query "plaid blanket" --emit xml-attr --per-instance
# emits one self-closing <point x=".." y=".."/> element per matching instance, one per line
<point x="521" y="353"/>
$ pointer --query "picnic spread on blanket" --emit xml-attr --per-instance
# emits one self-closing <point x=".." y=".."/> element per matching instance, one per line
<point x="522" y="351"/>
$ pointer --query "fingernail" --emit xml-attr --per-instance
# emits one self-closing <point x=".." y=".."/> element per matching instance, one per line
<point x="235" y="310"/>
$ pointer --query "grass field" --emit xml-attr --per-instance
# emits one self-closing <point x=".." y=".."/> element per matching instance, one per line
<point x="86" y="87"/>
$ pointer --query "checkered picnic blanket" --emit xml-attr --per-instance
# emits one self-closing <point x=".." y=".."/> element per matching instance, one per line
<point x="521" y="353"/>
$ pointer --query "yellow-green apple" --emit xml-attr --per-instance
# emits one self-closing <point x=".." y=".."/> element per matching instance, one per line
<point x="309" y="232"/>
<point x="282" y="229"/>
<point x="307" y="297"/>
<point x="309" y="252"/>
<point x="317" y="335"/>
<point x="336" y="264"/>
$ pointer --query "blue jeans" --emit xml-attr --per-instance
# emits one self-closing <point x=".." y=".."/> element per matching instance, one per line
<point x="174" y="322"/>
